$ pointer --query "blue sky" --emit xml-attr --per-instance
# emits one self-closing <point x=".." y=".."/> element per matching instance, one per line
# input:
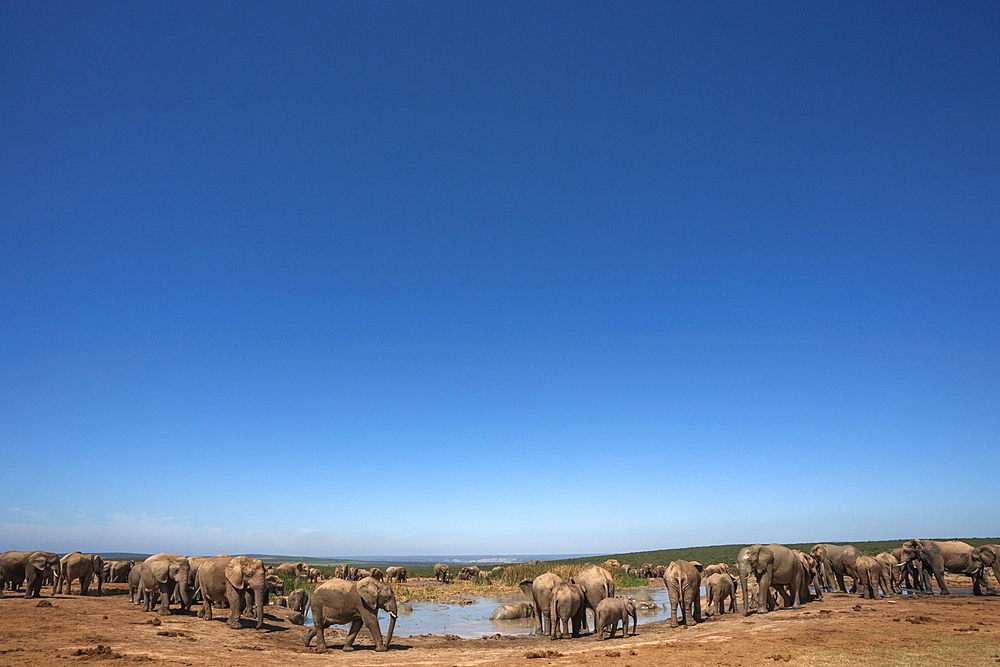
<point x="416" y="278"/>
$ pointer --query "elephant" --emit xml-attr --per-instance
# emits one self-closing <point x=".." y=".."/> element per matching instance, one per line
<point x="467" y="573"/>
<point x="31" y="567"/>
<point x="298" y="600"/>
<point x="717" y="568"/>
<point x="273" y="584"/>
<point x="609" y="611"/>
<point x="338" y="572"/>
<point x="337" y="601"/>
<point x="611" y="563"/>
<point x="484" y="577"/>
<point x="511" y="612"/>
<point x="811" y="574"/>
<point x="164" y="573"/>
<point x="597" y="584"/>
<point x="940" y="557"/>
<point x="868" y="570"/>
<point x="772" y="565"/>
<point x="238" y="580"/>
<point x="315" y="574"/>
<point x="442" y="573"/>
<point x="643" y="602"/>
<point x="718" y="589"/>
<point x="395" y="573"/>
<point x="539" y="590"/>
<point x="297" y="570"/>
<point x="683" y="581"/>
<point x="84" y="567"/>
<point x="989" y="554"/>
<point x="119" y="571"/>
<point x="280" y="601"/>
<point x="567" y="609"/>
<point x="836" y="561"/>
<point x="135" y="594"/>
<point x="910" y="573"/>
<point x="376" y="574"/>
<point x="888" y="574"/>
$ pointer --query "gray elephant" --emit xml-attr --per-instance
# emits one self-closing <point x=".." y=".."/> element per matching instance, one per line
<point x="280" y="601"/>
<point x="273" y="584"/>
<point x="337" y="601"/>
<point x="868" y="570"/>
<point x="888" y="573"/>
<point x="298" y="570"/>
<point x="119" y="571"/>
<point x="940" y="557"/>
<point x="609" y="612"/>
<point x="442" y="573"/>
<point x="135" y="594"/>
<point x="511" y="612"/>
<point x="76" y="566"/>
<point x="298" y="600"/>
<point x="31" y="567"/>
<point x="395" y="573"/>
<point x="567" y="610"/>
<point x="597" y="584"/>
<point x="164" y="573"/>
<point x="836" y="561"/>
<point x="911" y="573"/>
<point x="812" y="573"/>
<point x="315" y="574"/>
<point x="989" y="554"/>
<point x="719" y="589"/>
<point x="644" y="602"/>
<point x="468" y="573"/>
<point x="683" y="581"/>
<point x="238" y="581"/>
<point x="772" y="565"/>
<point x="539" y="590"/>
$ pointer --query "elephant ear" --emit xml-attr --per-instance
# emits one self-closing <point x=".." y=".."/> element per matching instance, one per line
<point x="234" y="573"/>
<point x="698" y="566"/>
<point x="159" y="569"/>
<point x="38" y="560"/>
<point x="368" y="590"/>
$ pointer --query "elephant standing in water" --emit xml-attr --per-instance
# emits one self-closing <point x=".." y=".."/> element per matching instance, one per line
<point x="235" y="580"/>
<point x="338" y="601"/>
<point x="772" y="565"/>
<point x="511" y="612"/>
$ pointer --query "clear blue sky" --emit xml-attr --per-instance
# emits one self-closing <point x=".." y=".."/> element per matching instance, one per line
<point x="449" y="277"/>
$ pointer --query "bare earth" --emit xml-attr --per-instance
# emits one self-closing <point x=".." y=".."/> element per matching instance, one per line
<point x="840" y="630"/>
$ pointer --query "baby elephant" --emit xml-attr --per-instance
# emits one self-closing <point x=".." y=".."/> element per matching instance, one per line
<point x="510" y="612"/>
<point x="611" y="610"/>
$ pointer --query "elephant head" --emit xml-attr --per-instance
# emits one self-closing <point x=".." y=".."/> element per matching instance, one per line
<point x="245" y="572"/>
<point x="377" y="595"/>
<point x="176" y="569"/>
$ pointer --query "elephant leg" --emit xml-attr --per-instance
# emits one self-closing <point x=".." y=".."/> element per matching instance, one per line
<point x="371" y="622"/>
<point x="235" y="606"/>
<point x="763" y="592"/>
<point x="355" y="629"/>
<point x="939" y="575"/>
<point x="315" y="631"/>
<point x="166" y="590"/>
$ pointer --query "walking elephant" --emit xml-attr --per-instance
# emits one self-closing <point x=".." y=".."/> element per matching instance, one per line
<point x="337" y="601"/>
<point x="836" y="561"/>
<point x="31" y="567"/>
<point x="940" y="557"/>
<point x="683" y="581"/>
<point x="772" y="565"/>
<point x="83" y="567"/>
<point x="238" y="581"/>
<point x="597" y="584"/>
<point x="163" y="574"/>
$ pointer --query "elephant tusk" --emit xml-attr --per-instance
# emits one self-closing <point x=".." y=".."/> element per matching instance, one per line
<point x="392" y="614"/>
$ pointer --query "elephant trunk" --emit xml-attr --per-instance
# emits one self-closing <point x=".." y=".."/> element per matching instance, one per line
<point x="260" y="599"/>
<point x="743" y="589"/>
<point x="392" y="628"/>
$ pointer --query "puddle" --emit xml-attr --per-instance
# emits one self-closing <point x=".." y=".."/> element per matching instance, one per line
<point x="471" y="621"/>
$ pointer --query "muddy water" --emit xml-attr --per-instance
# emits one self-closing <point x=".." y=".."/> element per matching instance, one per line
<point x="470" y="621"/>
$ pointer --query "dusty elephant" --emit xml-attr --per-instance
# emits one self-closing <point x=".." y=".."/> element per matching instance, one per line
<point x="835" y="561"/>
<point x="888" y="573"/>
<point x="940" y="557"/>
<point x="29" y="566"/>
<point x="442" y="573"/>
<point x="298" y="570"/>
<point x="119" y="571"/>
<point x="812" y="573"/>
<point x="83" y="567"/>
<point x="315" y="574"/>
<point x="511" y="612"/>
<point x="719" y="589"/>
<point x="772" y="565"/>
<point x="164" y="573"/>
<point x="611" y="610"/>
<point x="567" y="610"/>
<point x="867" y="569"/>
<point x="236" y="580"/>
<point x="989" y="554"/>
<point x="395" y="573"/>
<point x="644" y="602"/>
<point x="683" y="581"/>
<point x="539" y="590"/>
<point x="298" y="600"/>
<point x="597" y="584"/>
<point x="337" y="601"/>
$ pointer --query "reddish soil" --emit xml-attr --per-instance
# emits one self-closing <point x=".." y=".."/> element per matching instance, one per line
<point x="840" y="630"/>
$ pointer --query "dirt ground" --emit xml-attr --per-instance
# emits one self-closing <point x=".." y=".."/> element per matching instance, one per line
<point x="839" y="630"/>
